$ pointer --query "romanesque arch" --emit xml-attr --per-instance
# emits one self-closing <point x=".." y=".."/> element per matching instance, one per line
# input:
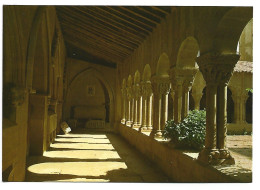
<point x="147" y="73"/>
<point x="187" y="53"/>
<point x="163" y="65"/>
<point x="32" y="45"/>
<point x="230" y="28"/>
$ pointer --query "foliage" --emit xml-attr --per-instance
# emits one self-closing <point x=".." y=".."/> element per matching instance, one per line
<point x="249" y="90"/>
<point x="190" y="133"/>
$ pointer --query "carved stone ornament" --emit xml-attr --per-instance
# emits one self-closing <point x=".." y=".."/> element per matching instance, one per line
<point x="216" y="157"/>
<point x="217" y="68"/>
<point x="160" y="85"/>
<point x="182" y="76"/>
<point x="13" y="95"/>
<point x="129" y="93"/>
<point x="147" y="89"/>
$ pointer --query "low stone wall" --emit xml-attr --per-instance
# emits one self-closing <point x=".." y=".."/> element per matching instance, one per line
<point x="239" y="128"/>
<point x="180" y="167"/>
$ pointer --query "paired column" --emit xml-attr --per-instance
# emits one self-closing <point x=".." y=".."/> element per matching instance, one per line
<point x="146" y="106"/>
<point x="216" y="70"/>
<point x="181" y="81"/>
<point x="239" y="97"/>
<point x="161" y="87"/>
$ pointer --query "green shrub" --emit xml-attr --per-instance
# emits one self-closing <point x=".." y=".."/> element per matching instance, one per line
<point x="190" y="133"/>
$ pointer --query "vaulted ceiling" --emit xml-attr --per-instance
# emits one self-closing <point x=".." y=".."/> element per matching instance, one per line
<point x="107" y="35"/>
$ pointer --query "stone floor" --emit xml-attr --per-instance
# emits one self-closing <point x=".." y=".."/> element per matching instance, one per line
<point x="92" y="157"/>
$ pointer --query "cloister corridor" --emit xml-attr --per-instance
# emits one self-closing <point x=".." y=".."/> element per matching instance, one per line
<point x="92" y="157"/>
<point x="89" y="156"/>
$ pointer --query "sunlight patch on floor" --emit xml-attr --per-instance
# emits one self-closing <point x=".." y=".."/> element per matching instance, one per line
<point x="83" y="154"/>
<point x="83" y="146"/>
<point x="76" y="168"/>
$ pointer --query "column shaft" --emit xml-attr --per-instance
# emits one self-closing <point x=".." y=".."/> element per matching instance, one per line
<point x="164" y="111"/>
<point x="177" y="103"/>
<point x="221" y="116"/>
<point x="210" y="140"/>
<point x="149" y="112"/>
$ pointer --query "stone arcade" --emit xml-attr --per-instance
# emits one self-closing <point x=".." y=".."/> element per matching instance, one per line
<point x="126" y="71"/>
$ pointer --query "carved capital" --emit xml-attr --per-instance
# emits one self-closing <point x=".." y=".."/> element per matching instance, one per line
<point x="160" y="85"/>
<point x="182" y="76"/>
<point x="124" y="92"/>
<point x="147" y="89"/>
<point x="13" y="94"/>
<point x="129" y="91"/>
<point x="136" y="91"/>
<point x="217" y="68"/>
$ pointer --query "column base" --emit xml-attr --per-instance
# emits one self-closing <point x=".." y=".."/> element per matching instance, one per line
<point x="129" y="123"/>
<point x="216" y="157"/>
<point x="136" y="125"/>
<point x="156" y="134"/>
<point x="123" y="121"/>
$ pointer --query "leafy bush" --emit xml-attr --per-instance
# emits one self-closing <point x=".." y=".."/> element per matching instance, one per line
<point x="190" y="133"/>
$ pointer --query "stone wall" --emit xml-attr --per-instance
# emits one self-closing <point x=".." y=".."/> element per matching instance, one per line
<point x="34" y="56"/>
<point x="81" y="76"/>
<point x="178" y="165"/>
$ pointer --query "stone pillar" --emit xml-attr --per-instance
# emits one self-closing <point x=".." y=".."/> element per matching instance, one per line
<point x="137" y="98"/>
<point x="161" y="87"/>
<point x="129" y="107"/>
<point x="216" y="70"/>
<point x="149" y="113"/>
<point x="172" y="94"/>
<point x="146" y="114"/>
<point x="242" y="102"/>
<point x="185" y="97"/>
<point x="123" y="120"/>
<point x="181" y="80"/>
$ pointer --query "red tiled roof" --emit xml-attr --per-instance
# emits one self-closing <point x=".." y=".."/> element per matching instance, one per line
<point x="244" y="66"/>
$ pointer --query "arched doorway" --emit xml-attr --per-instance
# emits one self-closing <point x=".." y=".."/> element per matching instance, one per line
<point x="89" y="101"/>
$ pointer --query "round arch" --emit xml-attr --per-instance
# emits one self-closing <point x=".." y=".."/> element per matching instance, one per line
<point x="98" y="75"/>
<point x="147" y="73"/>
<point x="124" y="84"/>
<point x="187" y="53"/>
<point x="163" y="65"/>
<point x="137" y="77"/>
<point x="32" y="45"/>
<point x="129" y="81"/>
<point x="230" y="28"/>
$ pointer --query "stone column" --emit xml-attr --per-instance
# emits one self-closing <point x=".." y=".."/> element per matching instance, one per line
<point x="149" y="112"/>
<point x="181" y="80"/>
<point x="185" y="96"/>
<point x="216" y="70"/>
<point x="123" y="120"/>
<point x="137" y="98"/>
<point x="129" y="106"/>
<point x="161" y="87"/>
<point x="172" y="94"/>
<point x="242" y="102"/>
<point x="146" y="114"/>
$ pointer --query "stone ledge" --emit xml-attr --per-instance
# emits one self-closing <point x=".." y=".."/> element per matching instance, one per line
<point x="182" y="166"/>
